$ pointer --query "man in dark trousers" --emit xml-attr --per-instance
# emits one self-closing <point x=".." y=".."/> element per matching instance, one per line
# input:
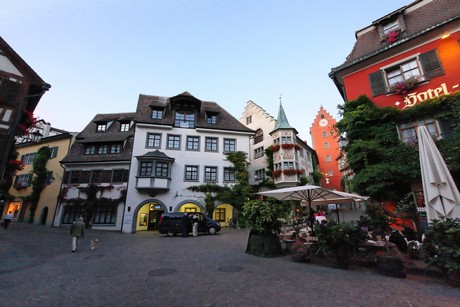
<point x="77" y="230"/>
<point x="185" y="225"/>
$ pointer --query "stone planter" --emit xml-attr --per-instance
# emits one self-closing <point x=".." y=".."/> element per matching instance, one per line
<point x="301" y="253"/>
<point x="453" y="278"/>
<point x="263" y="245"/>
<point x="338" y="261"/>
<point x="391" y="266"/>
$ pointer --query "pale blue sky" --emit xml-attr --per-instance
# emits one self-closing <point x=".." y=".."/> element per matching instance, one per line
<point x="99" y="55"/>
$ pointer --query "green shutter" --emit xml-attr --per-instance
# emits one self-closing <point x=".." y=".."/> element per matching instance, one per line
<point x="377" y="82"/>
<point x="431" y="64"/>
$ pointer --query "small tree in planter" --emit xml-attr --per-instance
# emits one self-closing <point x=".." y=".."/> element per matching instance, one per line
<point x="441" y="248"/>
<point x="263" y="217"/>
<point x="340" y="241"/>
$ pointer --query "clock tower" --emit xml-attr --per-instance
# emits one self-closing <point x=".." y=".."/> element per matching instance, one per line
<point x="324" y="141"/>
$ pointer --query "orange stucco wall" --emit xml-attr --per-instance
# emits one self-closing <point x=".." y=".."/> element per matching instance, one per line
<point x="319" y="141"/>
<point x="357" y="84"/>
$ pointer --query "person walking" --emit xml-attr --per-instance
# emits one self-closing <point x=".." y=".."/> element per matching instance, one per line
<point x="8" y="220"/>
<point x="185" y="225"/>
<point x="195" y="225"/>
<point x="77" y="230"/>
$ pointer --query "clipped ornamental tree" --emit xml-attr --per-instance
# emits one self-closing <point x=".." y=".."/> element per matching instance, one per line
<point x="262" y="216"/>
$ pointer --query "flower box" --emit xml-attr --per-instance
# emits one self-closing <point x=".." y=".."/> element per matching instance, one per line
<point x="403" y="87"/>
<point x="287" y="146"/>
<point x="276" y="173"/>
<point x="274" y="148"/>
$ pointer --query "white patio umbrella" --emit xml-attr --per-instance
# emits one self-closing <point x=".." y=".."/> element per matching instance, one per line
<point x="356" y="198"/>
<point x="308" y="195"/>
<point x="441" y="195"/>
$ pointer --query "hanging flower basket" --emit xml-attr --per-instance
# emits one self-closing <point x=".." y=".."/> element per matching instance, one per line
<point x="404" y="87"/>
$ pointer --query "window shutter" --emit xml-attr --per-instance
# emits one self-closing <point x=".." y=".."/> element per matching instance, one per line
<point x="431" y="64"/>
<point x="377" y="83"/>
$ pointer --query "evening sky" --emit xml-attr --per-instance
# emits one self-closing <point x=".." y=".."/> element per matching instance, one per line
<point x="99" y="55"/>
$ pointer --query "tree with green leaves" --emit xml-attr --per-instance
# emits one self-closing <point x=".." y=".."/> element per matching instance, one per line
<point x="39" y="180"/>
<point x="384" y="166"/>
<point x="241" y="191"/>
<point x="212" y="193"/>
<point x="263" y="216"/>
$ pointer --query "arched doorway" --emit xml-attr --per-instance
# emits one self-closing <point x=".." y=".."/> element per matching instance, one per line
<point x="223" y="213"/>
<point x="190" y="207"/>
<point x="149" y="216"/>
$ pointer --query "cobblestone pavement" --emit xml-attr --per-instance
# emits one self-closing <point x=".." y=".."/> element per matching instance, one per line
<point x="37" y="268"/>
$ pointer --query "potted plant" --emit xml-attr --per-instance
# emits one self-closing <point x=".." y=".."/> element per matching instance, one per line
<point x="393" y="36"/>
<point x="441" y="248"/>
<point x="339" y="241"/>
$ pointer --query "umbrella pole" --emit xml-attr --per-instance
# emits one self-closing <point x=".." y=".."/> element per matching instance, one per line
<point x="443" y="208"/>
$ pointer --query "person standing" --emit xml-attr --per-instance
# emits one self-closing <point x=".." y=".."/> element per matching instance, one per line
<point x="77" y="230"/>
<point x="185" y="225"/>
<point x="195" y="225"/>
<point x="8" y="220"/>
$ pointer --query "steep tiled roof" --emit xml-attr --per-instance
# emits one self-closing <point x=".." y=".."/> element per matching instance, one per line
<point x="282" y="121"/>
<point x="417" y="20"/>
<point x="111" y="135"/>
<point x="225" y="120"/>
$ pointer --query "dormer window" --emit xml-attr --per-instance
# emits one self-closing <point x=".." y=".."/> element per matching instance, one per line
<point x="391" y="26"/>
<point x="157" y="113"/>
<point x="101" y="127"/>
<point x="124" y="126"/>
<point x="185" y="119"/>
<point x="211" y="118"/>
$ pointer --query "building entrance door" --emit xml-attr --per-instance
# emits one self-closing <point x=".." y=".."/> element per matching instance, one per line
<point x="154" y="219"/>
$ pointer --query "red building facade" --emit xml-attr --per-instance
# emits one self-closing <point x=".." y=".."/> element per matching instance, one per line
<point x="425" y="50"/>
<point x="406" y="57"/>
<point x="324" y="140"/>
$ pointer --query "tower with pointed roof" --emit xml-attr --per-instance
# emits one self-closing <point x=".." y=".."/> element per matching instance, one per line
<point x="292" y="157"/>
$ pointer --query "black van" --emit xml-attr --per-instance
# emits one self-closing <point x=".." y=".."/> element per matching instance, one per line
<point x="171" y="223"/>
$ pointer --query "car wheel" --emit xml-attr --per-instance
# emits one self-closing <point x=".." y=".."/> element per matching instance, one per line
<point x="170" y="234"/>
<point x="212" y="231"/>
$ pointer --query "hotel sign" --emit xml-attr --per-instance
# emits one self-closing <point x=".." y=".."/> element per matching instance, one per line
<point x="416" y="97"/>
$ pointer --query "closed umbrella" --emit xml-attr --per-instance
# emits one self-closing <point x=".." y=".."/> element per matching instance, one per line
<point x="441" y="195"/>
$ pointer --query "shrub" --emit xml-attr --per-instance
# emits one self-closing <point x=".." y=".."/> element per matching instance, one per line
<point x="441" y="246"/>
<point x="340" y="239"/>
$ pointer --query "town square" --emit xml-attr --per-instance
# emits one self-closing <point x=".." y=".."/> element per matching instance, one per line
<point x="230" y="153"/>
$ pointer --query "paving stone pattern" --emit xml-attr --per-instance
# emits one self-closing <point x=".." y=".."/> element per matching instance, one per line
<point x="37" y="268"/>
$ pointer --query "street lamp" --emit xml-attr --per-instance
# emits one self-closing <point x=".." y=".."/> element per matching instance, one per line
<point x="343" y="142"/>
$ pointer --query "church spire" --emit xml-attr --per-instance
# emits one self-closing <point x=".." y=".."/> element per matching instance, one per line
<point x="282" y="121"/>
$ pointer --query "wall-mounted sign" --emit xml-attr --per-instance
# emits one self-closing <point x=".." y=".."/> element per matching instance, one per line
<point x="413" y="98"/>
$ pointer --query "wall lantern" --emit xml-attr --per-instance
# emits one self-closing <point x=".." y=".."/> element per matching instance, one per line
<point x="343" y="142"/>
